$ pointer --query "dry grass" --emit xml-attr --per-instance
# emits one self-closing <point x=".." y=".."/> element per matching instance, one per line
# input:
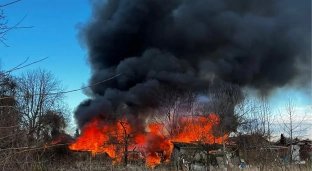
<point x="106" y="166"/>
<point x="49" y="161"/>
<point x="79" y="167"/>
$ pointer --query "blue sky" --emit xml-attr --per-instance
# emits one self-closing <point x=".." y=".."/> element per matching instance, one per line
<point x="55" y="35"/>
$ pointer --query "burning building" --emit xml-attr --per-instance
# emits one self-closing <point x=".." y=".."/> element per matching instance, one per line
<point x="166" y="49"/>
<point x="154" y="144"/>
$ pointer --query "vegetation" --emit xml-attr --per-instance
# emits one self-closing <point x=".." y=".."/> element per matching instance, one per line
<point x="33" y="115"/>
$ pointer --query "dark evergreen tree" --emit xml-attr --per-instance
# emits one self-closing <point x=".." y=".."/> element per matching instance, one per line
<point x="283" y="139"/>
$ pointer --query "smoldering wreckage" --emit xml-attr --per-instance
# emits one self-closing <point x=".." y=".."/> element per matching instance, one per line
<point x="185" y="46"/>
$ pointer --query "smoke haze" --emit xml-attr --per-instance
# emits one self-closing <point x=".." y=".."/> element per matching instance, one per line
<point x="191" y="44"/>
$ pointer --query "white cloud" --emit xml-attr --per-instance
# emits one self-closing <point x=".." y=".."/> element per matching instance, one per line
<point x="301" y="121"/>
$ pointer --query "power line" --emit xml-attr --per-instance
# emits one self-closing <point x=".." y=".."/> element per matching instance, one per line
<point x="62" y="92"/>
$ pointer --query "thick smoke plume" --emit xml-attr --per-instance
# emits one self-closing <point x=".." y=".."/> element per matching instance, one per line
<point x="191" y="44"/>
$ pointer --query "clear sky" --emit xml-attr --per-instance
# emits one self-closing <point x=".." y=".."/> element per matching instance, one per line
<point x="54" y="34"/>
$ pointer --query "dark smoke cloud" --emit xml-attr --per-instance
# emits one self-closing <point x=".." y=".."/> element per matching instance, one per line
<point x="191" y="44"/>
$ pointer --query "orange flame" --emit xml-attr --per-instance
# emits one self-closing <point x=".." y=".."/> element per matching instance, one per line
<point x="199" y="129"/>
<point x="110" y="138"/>
<point x="97" y="139"/>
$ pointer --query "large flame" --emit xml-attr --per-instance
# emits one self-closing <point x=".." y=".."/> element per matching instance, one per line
<point x="198" y="129"/>
<point x="154" y="143"/>
<point x="99" y="138"/>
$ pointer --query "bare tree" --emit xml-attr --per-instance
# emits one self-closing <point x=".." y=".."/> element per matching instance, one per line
<point x="292" y="124"/>
<point x="174" y="103"/>
<point x="254" y="134"/>
<point x="4" y="25"/>
<point x="118" y="134"/>
<point x="46" y="120"/>
<point x="32" y="114"/>
<point x="40" y="103"/>
<point x="227" y="102"/>
<point x="11" y="134"/>
<point x="259" y="118"/>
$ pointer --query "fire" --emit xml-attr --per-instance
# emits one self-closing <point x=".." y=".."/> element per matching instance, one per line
<point x="111" y="138"/>
<point x="153" y="159"/>
<point x="155" y="141"/>
<point x="199" y="129"/>
<point x="98" y="139"/>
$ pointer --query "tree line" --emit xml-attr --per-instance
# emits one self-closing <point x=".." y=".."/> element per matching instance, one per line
<point x="32" y="112"/>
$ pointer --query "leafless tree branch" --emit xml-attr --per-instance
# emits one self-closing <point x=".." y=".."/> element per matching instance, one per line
<point x="63" y="92"/>
<point x="4" y="28"/>
<point x="10" y="3"/>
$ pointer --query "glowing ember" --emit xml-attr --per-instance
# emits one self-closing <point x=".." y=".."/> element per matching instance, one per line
<point x="110" y="138"/>
<point x="153" y="159"/>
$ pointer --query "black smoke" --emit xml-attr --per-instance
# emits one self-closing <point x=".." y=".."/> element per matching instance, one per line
<point x="191" y="44"/>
